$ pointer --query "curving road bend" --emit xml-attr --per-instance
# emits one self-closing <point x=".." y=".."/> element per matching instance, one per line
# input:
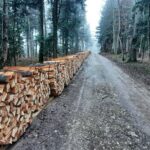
<point x="102" y="109"/>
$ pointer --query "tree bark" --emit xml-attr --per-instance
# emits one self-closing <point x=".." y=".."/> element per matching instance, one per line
<point x="41" y="17"/>
<point x="114" y="32"/>
<point x="119" y="28"/>
<point x="66" y="42"/>
<point x="14" y="32"/>
<point x="148" y="34"/>
<point x="55" y="27"/>
<point x="28" y="37"/>
<point x="5" y="33"/>
<point x="140" y="49"/>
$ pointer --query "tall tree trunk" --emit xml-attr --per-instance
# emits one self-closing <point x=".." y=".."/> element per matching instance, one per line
<point x="28" y="37"/>
<point x="55" y="27"/>
<point x="32" y="44"/>
<point x="14" y="32"/>
<point x="114" y="32"/>
<point x="41" y="17"/>
<point x="132" y="51"/>
<point x="140" y="48"/>
<point x="45" y="19"/>
<point x="77" y="42"/>
<point x="66" y="42"/>
<point x="119" y="28"/>
<point x="148" y="30"/>
<point x="127" y="45"/>
<point x="63" y="43"/>
<point x="5" y="33"/>
<point x="36" y="49"/>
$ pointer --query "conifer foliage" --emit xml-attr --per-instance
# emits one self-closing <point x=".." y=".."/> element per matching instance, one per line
<point x="39" y="29"/>
<point x="125" y="28"/>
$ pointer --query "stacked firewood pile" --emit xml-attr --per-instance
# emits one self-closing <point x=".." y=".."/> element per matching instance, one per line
<point x="24" y="91"/>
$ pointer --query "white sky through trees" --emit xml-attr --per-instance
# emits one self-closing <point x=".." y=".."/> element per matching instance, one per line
<point x="94" y="8"/>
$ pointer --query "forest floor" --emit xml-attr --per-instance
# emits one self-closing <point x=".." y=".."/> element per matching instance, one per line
<point x="140" y="71"/>
<point x="26" y="61"/>
<point x="102" y="109"/>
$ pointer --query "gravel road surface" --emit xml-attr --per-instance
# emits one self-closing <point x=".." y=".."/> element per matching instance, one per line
<point x="102" y="109"/>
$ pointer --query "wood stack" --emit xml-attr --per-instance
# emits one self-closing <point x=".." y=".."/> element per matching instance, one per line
<point x="56" y="77"/>
<point x="24" y="91"/>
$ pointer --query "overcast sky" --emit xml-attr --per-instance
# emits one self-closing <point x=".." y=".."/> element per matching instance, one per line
<point x="94" y="8"/>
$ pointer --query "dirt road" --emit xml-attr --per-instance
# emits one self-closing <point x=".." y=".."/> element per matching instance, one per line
<point x="103" y="108"/>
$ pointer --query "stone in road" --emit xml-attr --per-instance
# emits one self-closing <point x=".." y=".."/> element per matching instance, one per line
<point x="102" y="109"/>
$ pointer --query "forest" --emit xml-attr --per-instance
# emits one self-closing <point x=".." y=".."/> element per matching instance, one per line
<point x="125" y="29"/>
<point x="34" y="30"/>
<point x="75" y="74"/>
